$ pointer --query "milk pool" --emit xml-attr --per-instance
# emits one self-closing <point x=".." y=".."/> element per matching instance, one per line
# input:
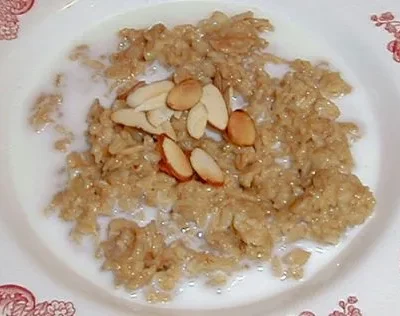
<point x="40" y="171"/>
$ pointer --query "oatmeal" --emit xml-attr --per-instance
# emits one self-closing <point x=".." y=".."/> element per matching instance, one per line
<point x="280" y="172"/>
<point x="46" y="112"/>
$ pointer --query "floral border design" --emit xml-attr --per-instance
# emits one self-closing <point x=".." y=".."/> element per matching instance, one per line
<point x="16" y="300"/>
<point x="347" y="308"/>
<point x="387" y="20"/>
<point x="9" y="12"/>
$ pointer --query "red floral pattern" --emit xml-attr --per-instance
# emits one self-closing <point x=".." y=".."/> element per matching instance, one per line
<point x="387" y="20"/>
<point x="347" y="308"/>
<point x="9" y="11"/>
<point x="16" y="300"/>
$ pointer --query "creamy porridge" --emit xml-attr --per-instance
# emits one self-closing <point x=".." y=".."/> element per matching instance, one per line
<point x="277" y="170"/>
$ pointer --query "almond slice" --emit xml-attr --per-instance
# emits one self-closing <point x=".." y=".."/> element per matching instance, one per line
<point x="158" y="116"/>
<point x="130" y="117"/>
<point x="206" y="167"/>
<point x="174" y="161"/>
<point x="241" y="129"/>
<point x="124" y="91"/>
<point x="216" y="107"/>
<point x="147" y="92"/>
<point x="157" y="102"/>
<point x="185" y="95"/>
<point x="197" y="121"/>
<point x="169" y="130"/>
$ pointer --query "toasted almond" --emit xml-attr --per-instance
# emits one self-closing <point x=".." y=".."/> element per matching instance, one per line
<point x="174" y="161"/>
<point x="206" y="167"/>
<point x="197" y="121"/>
<point x="144" y="93"/>
<point x="128" y="88"/>
<point x="241" y="129"/>
<point x="130" y="117"/>
<point x="158" y="116"/>
<point x="185" y="95"/>
<point x="216" y="107"/>
<point x="169" y="130"/>
<point x="157" y="102"/>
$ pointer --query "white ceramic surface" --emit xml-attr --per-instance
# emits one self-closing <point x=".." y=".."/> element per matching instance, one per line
<point x="36" y="253"/>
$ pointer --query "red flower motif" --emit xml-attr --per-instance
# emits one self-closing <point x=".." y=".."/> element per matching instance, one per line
<point x="18" y="301"/>
<point x="347" y="308"/>
<point x="337" y="313"/>
<point x="392" y="26"/>
<point x="9" y="23"/>
<point x="394" y="47"/>
<point x="387" y="16"/>
<point x="352" y="300"/>
<point x="19" y="7"/>
<point x="396" y="56"/>
<point x="57" y="308"/>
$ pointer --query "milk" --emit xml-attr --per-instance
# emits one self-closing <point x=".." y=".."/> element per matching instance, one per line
<point x="35" y="161"/>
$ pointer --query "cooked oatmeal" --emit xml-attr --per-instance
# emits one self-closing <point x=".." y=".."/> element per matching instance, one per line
<point x="281" y="171"/>
<point x="46" y="112"/>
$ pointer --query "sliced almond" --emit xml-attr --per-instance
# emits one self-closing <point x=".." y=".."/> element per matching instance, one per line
<point x="206" y="167"/>
<point x="169" y="130"/>
<point x="185" y="95"/>
<point x="158" y="116"/>
<point x="130" y="117"/>
<point x="197" y="121"/>
<point x="215" y="105"/>
<point x="157" y="102"/>
<point x="128" y="88"/>
<point x="241" y="128"/>
<point x="174" y="161"/>
<point x="142" y="94"/>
